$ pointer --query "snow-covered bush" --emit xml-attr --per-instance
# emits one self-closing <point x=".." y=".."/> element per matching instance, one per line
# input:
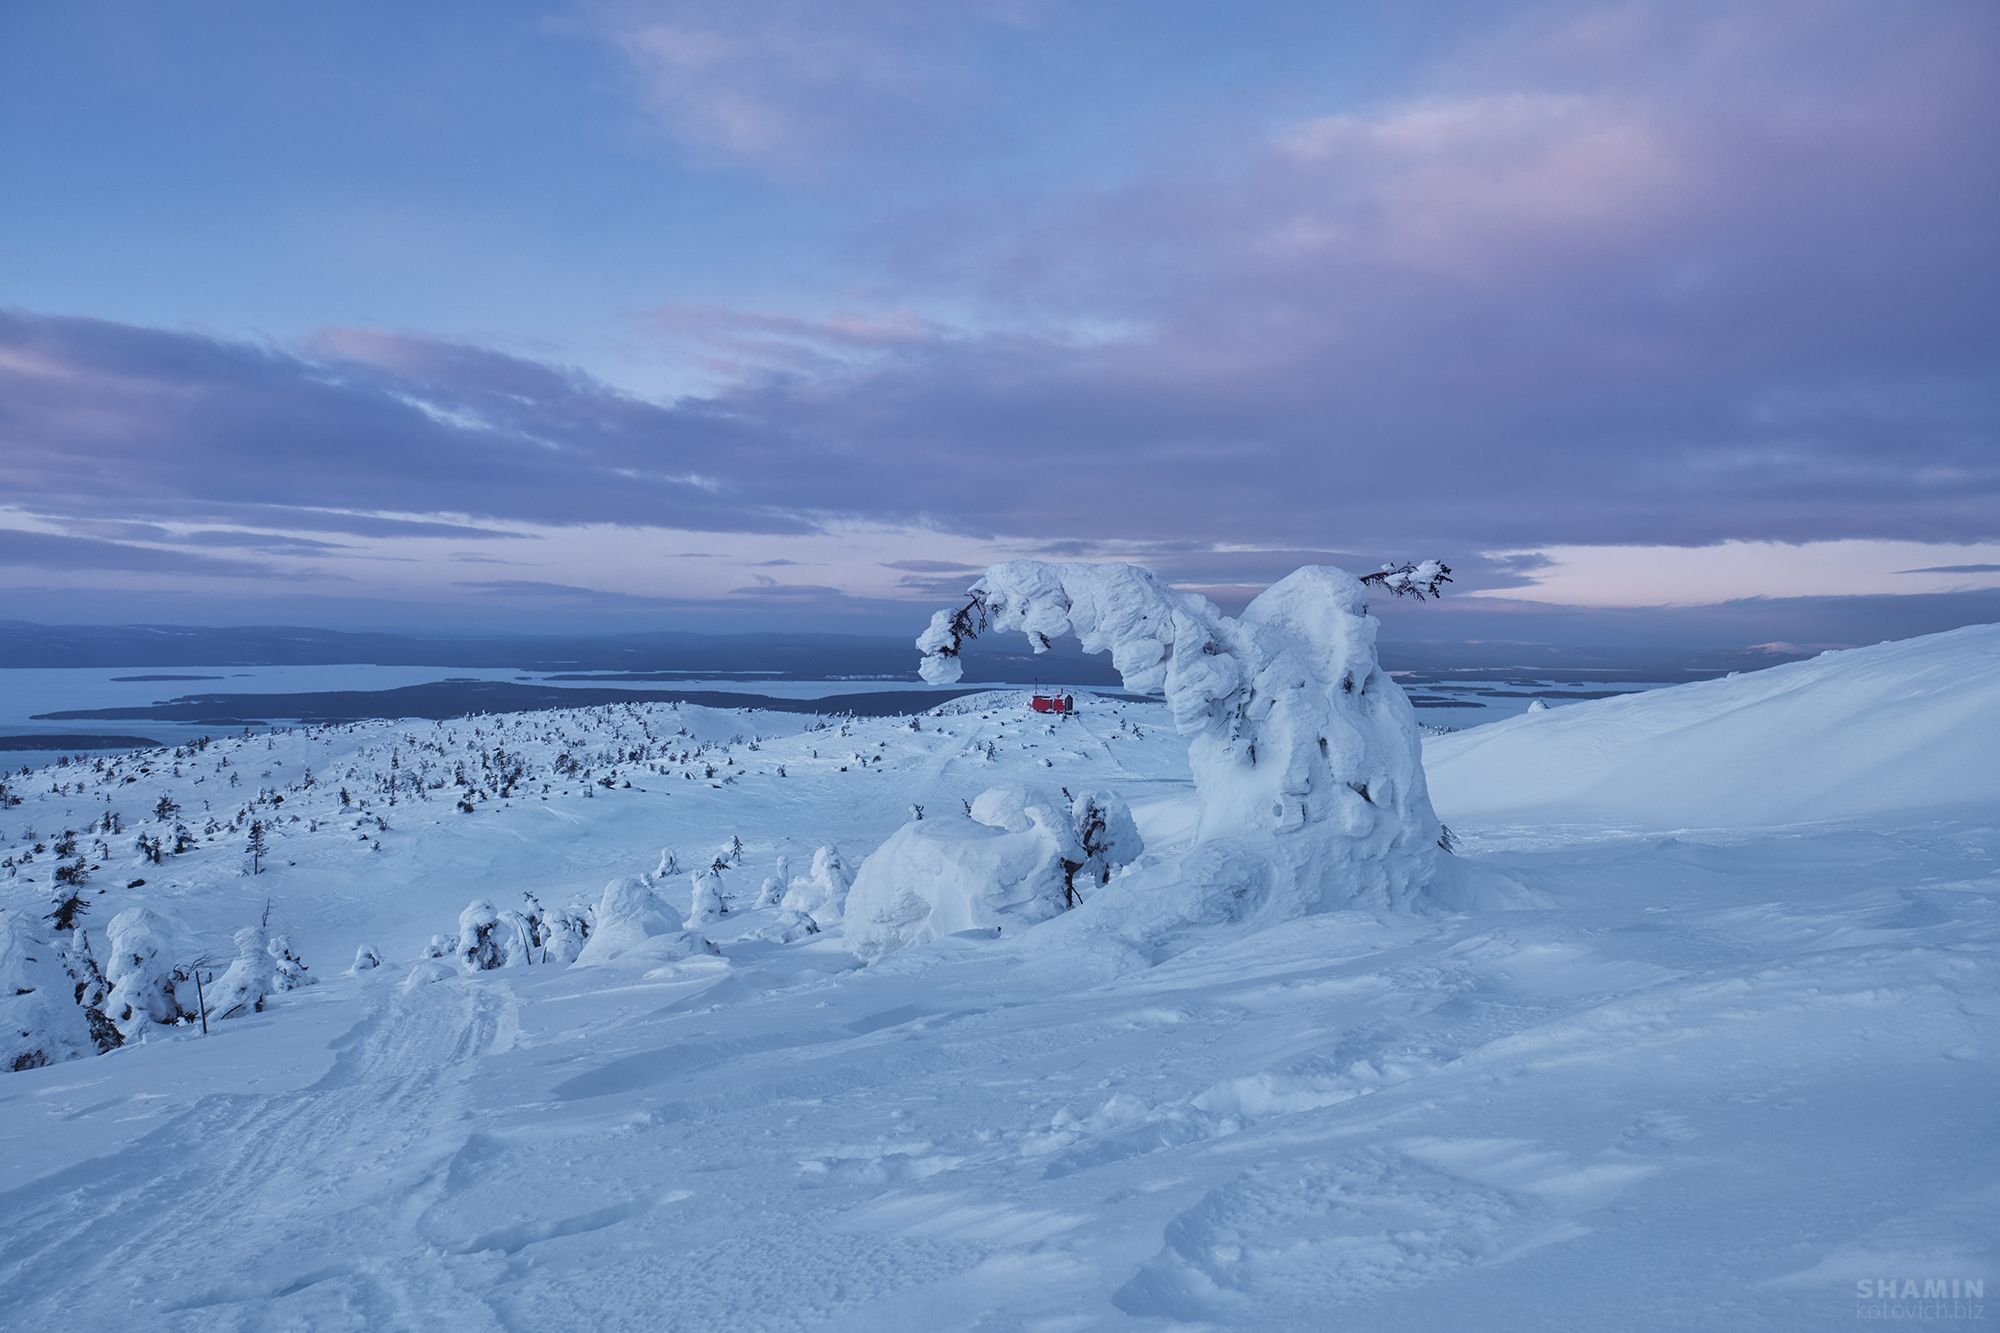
<point x="821" y="893"/>
<point x="632" y="922"/>
<point x="139" y="965"/>
<point x="787" y="928"/>
<point x="291" y="969"/>
<point x="564" y="932"/>
<point x="1305" y="753"/>
<point x="92" y="991"/>
<point x="40" y="1020"/>
<point x="251" y="979"/>
<point x="705" y="906"/>
<point x="366" y="959"/>
<point x="772" y="892"/>
<point x="441" y="946"/>
<point x="488" y="938"/>
<point x="1014" y="859"/>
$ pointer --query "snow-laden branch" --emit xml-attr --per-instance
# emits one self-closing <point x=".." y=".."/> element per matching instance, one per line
<point x="1300" y="744"/>
<point x="1412" y="580"/>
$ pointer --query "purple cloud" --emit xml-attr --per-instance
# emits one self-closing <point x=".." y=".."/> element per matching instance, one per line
<point x="1596" y="276"/>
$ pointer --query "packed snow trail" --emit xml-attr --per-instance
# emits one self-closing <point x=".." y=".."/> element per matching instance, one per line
<point x="306" y="1198"/>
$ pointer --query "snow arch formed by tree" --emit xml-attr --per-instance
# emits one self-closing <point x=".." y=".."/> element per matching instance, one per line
<point x="1305" y="753"/>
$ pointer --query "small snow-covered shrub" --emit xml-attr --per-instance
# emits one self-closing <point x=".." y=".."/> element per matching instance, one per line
<point x="40" y="1021"/>
<point x="631" y="922"/>
<point x="705" y="906"/>
<point x="1014" y="859"/>
<point x="1107" y="839"/>
<point x="565" y="930"/>
<point x="291" y="969"/>
<point x="441" y="946"/>
<point x="772" y="892"/>
<point x="251" y="979"/>
<point x="822" y="892"/>
<point x="366" y="959"/>
<point x="139" y="965"/>
<point x="488" y="938"/>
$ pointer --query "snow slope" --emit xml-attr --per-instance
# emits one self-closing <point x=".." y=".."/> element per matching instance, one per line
<point x="1899" y="728"/>
<point x="1712" y="1079"/>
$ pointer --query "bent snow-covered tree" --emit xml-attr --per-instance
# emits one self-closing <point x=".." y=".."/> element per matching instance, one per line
<point x="1305" y="753"/>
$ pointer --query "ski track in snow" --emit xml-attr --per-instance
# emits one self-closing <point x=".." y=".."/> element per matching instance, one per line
<point x="1722" y="1076"/>
<point x="306" y="1197"/>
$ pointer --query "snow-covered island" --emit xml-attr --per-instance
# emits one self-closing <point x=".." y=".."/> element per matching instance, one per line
<point x="1244" y="1007"/>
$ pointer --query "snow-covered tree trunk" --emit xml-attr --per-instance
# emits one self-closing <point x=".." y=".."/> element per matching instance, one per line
<point x="1304" y="751"/>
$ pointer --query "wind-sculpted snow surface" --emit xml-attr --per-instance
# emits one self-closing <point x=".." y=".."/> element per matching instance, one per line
<point x="1305" y="753"/>
<point x="1902" y="727"/>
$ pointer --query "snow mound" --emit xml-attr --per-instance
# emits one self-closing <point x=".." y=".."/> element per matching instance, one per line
<point x="1012" y="860"/>
<point x="632" y="923"/>
<point x="1896" y="728"/>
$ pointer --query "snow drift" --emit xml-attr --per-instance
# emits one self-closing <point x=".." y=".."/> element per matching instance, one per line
<point x="1894" y="729"/>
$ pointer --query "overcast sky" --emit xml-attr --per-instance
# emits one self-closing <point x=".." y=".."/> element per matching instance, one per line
<point x="1678" y="321"/>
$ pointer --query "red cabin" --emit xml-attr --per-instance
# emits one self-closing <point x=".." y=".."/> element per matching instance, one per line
<point x="1053" y="703"/>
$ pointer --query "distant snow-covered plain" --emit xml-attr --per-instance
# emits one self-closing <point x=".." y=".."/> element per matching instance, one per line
<point x="1717" y="1049"/>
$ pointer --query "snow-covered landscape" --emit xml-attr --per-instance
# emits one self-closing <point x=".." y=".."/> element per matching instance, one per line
<point x="999" y="666"/>
<point x="1677" y="1012"/>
